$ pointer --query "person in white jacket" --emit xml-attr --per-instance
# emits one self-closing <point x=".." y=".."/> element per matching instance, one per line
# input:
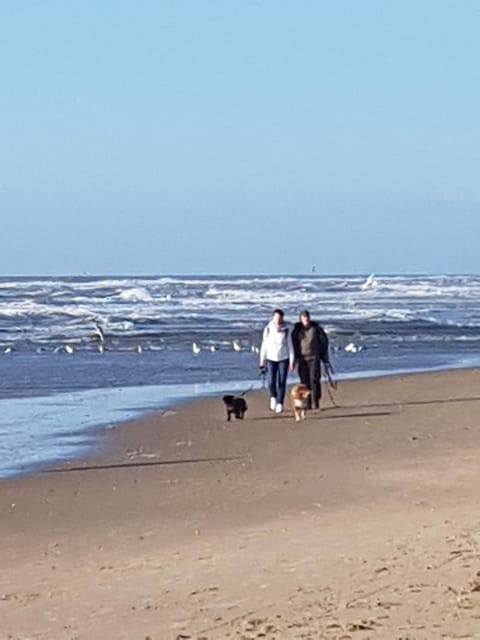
<point x="277" y="354"/>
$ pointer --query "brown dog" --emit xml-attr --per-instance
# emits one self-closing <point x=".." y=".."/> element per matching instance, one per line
<point x="299" y="394"/>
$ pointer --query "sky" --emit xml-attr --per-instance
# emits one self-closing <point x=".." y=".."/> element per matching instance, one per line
<point x="239" y="137"/>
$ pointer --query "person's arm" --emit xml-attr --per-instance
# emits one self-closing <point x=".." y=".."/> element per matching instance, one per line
<point x="323" y="346"/>
<point x="291" y="350"/>
<point x="295" y="341"/>
<point x="263" y="348"/>
<point x="325" y="358"/>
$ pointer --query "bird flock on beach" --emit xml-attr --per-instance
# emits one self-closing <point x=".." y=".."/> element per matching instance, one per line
<point x="236" y="345"/>
<point x="99" y="338"/>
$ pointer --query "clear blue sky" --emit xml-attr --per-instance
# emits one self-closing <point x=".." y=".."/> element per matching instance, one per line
<point x="239" y="136"/>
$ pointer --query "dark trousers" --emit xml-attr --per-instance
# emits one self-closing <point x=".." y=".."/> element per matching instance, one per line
<point x="309" y="374"/>
<point x="277" y="379"/>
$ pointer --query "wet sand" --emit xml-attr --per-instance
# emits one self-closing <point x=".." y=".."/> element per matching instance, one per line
<point x="360" y="522"/>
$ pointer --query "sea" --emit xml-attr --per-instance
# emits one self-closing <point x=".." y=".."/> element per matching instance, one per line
<point x="78" y="353"/>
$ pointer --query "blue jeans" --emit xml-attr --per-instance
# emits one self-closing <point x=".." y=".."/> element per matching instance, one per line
<point x="277" y="379"/>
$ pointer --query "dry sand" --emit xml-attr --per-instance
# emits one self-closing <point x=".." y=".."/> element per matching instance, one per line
<point x="361" y="522"/>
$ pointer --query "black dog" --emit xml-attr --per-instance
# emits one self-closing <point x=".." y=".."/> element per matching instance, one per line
<point x="235" y="405"/>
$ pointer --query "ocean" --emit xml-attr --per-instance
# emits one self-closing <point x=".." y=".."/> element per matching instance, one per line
<point x="82" y="352"/>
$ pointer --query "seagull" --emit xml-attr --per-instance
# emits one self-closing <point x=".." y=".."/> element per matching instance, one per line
<point x="236" y="345"/>
<point x="195" y="348"/>
<point x="8" y="350"/>
<point x="99" y="333"/>
<point x="213" y="348"/>
<point x="351" y="348"/>
<point x="369" y="282"/>
<point x="66" y="348"/>
<point x="139" y="348"/>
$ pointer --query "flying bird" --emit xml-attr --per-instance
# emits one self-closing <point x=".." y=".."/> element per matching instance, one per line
<point x="369" y="282"/>
<point x="99" y="333"/>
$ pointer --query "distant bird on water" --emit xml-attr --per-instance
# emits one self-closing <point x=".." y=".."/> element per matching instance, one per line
<point x="99" y="333"/>
<point x="236" y="345"/>
<point x="369" y="282"/>
<point x="66" y="348"/>
<point x="353" y="348"/>
<point x="196" y="348"/>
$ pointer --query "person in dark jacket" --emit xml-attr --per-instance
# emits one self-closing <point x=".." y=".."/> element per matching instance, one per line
<point x="310" y="344"/>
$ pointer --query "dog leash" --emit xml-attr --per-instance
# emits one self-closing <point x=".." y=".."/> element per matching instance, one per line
<point x="331" y="383"/>
<point x="263" y="375"/>
<point x="244" y="393"/>
<point x="330" y="395"/>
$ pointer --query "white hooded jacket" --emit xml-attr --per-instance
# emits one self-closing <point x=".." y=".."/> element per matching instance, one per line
<point x="277" y="343"/>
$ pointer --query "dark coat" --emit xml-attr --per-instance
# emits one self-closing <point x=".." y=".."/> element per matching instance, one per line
<point x="320" y="342"/>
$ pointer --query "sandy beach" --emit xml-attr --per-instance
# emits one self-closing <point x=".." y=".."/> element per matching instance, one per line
<point x="360" y="522"/>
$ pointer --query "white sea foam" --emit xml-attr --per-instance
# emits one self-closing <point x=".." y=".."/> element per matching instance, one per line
<point x="129" y="306"/>
<point x="135" y="294"/>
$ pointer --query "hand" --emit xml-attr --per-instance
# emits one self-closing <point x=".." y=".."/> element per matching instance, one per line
<point x="291" y="367"/>
<point x="261" y="364"/>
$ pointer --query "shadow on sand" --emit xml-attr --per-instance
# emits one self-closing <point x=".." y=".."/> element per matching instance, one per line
<point x="126" y="465"/>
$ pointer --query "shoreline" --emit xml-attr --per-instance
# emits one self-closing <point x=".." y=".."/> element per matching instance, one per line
<point x="359" y="522"/>
<point x="81" y="438"/>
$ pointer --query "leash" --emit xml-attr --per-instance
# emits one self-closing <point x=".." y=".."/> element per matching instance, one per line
<point x="331" y="383"/>
<point x="263" y="375"/>
<point x="328" y="372"/>
<point x="244" y="393"/>
<point x="330" y="395"/>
